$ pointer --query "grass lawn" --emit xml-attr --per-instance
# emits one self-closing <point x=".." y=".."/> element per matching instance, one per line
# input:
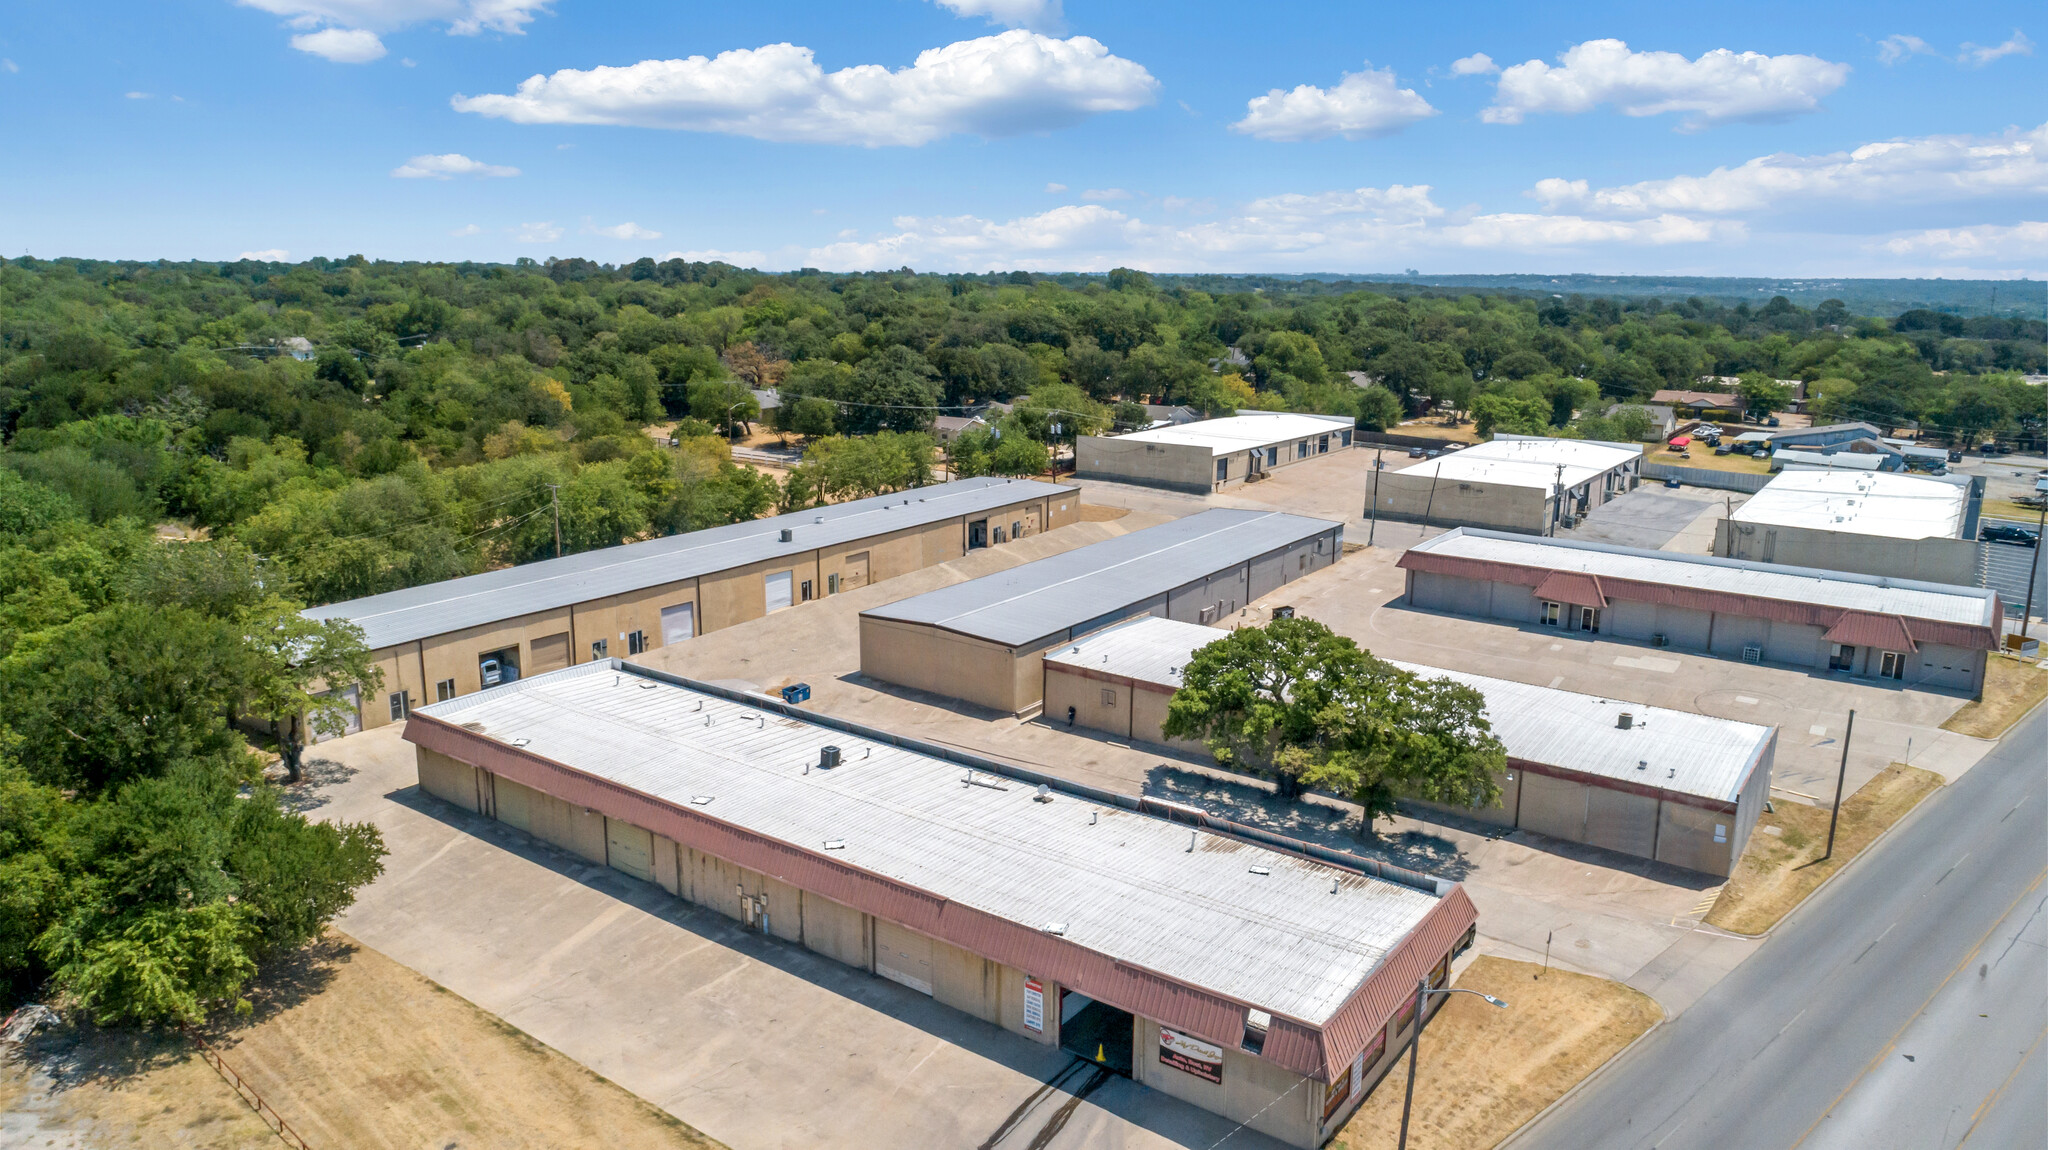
<point x="1484" y="1072"/>
<point x="2007" y="509"/>
<point x="352" y="1049"/>
<point x="1779" y="868"/>
<point x="2012" y="687"/>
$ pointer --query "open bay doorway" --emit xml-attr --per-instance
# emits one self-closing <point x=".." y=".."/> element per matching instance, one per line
<point x="1096" y="1032"/>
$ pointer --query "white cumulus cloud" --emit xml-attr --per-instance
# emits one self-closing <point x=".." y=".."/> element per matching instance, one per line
<point x="1923" y="169"/>
<point x="267" y="255"/>
<point x="2016" y="45"/>
<point x="1477" y="64"/>
<point x="1993" y="242"/>
<point x="1898" y="46"/>
<point x="626" y="231"/>
<point x="544" y="232"/>
<point x="1038" y="15"/>
<point x="341" y="45"/>
<point x="466" y="230"/>
<point x="1718" y="87"/>
<point x="1003" y="85"/>
<point x="1364" y="104"/>
<point x="1055" y="189"/>
<point x="1104" y="194"/>
<point x="449" y="165"/>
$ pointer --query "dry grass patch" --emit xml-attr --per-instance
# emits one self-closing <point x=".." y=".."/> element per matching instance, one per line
<point x="353" y="1050"/>
<point x="1704" y="457"/>
<point x="1485" y="1072"/>
<point x="1779" y="868"/>
<point x="1434" y="429"/>
<point x="1102" y="512"/>
<point x="2012" y="687"/>
<point x="2007" y="509"/>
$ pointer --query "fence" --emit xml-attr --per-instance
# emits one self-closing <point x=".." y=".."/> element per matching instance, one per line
<point x="1389" y="439"/>
<point x="247" y="1093"/>
<point x="1743" y="481"/>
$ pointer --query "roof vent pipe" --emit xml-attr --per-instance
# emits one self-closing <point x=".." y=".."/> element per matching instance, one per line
<point x="1625" y="720"/>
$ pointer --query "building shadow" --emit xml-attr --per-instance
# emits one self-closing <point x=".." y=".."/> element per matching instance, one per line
<point x="959" y="707"/>
<point x="1040" y="1115"/>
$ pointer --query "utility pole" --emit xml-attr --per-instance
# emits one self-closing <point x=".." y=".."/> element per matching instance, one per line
<point x="555" y="495"/>
<point x="1841" y="775"/>
<point x="1430" y="505"/>
<point x="2034" y="564"/>
<point x="1557" y="503"/>
<point x="1373" y="510"/>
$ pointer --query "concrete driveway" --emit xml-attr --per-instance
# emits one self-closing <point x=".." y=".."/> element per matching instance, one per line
<point x="757" y="1043"/>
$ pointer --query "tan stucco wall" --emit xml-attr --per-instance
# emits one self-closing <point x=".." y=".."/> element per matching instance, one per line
<point x="1406" y="495"/>
<point x="1267" y="1098"/>
<point x="1929" y="560"/>
<point x="928" y="659"/>
<point x="1065" y="688"/>
<point x="1177" y="465"/>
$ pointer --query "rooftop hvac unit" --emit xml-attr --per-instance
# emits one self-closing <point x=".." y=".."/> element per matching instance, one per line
<point x="789" y="534"/>
<point x="828" y="757"/>
<point x="1625" y="720"/>
<point x="1751" y="653"/>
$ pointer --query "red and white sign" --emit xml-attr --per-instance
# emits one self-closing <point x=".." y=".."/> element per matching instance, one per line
<point x="1034" y="1004"/>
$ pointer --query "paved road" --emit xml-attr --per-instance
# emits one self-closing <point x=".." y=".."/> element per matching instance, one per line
<point x="1902" y="1007"/>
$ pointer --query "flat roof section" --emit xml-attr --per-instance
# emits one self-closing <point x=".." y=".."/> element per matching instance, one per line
<point x="1935" y="602"/>
<point x="1241" y="432"/>
<point x="474" y="600"/>
<point x="1257" y="925"/>
<point x="1027" y="603"/>
<point x="1533" y="462"/>
<point x="1670" y="750"/>
<point x="1860" y="503"/>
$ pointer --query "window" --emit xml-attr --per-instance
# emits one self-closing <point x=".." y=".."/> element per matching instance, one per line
<point x="1344" y="439"/>
<point x="1222" y="470"/>
<point x="1017" y="529"/>
<point x="599" y="649"/>
<point x="1301" y="450"/>
<point x="1589" y="619"/>
<point x="1550" y="613"/>
<point x="401" y="705"/>
<point x="636" y="642"/>
<point x="444" y="690"/>
<point x="1842" y="658"/>
<point x="1894" y="665"/>
<point x="1108" y="697"/>
<point x="1322" y="444"/>
<point x="1720" y="832"/>
<point x="1272" y="456"/>
<point x="1000" y="537"/>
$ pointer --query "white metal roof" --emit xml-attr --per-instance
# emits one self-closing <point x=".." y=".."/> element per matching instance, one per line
<point x="1148" y="649"/>
<point x="1517" y="462"/>
<point x="1792" y="459"/>
<point x="1672" y="750"/>
<point x="1860" y="503"/>
<point x="1932" y="601"/>
<point x="1124" y="884"/>
<point x="1239" y="432"/>
<point x="438" y="608"/>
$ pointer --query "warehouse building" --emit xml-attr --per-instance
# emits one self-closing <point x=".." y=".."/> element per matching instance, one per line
<point x="1875" y="523"/>
<point x="1926" y="634"/>
<point x="1673" y="786"/>
<point x="1214" y="453"/>
<point x="1266" y="980"/>
<point x="442" y="640"/>
<point x="1512" y="483"/>
<point x="982" y="641"/>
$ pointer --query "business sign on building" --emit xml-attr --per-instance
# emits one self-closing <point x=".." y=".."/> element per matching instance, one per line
<point x="1191" y="1055"/>
<point x="1034" y="1004"/>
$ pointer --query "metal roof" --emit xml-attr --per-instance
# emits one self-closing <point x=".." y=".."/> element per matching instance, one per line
<point x="1860" y="503"/>
<point x="1147" y="649"/>
<point x="1531" y="462"/>
<point x="1239" y="432"/>
<point x="1670" y="750"/>
<point x="1970" y="606"/>
<point x="1792" y="459"/>
<point x="1030" y="602"/>
<point x="1119" y="882"/>
<point x="452" y="605"/>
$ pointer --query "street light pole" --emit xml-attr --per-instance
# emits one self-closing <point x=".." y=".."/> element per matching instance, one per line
<point x="1373" y="527"/>
<point x="1422" y="992"/>
<point x="555" y="496"/>
<point x="1840" y="776"/>
<point x="2034" y="564"/>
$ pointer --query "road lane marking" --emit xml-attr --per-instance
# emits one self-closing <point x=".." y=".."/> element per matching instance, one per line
<point x="1915" y="1016"/>
<point x="2016" y="806"/>
<point x="1952" y="868"/>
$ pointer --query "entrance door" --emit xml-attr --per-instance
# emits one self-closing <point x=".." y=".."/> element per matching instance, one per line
<point x="1894" y="666"/>
<point x="1589" y="619"/>
<point x="1096" y="1032"/>
<point x="977" y="534"/>
<point x="856" y="574"/>
<point x="1843" y="658"/>
<point x="678" y="623"/>
<point x="903" y="956"/>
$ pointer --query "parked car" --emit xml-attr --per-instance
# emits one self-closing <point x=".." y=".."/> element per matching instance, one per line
<point x="2006" y="533"/>
<point x="1416" y="453"/>
<point x="1955" y="457"/>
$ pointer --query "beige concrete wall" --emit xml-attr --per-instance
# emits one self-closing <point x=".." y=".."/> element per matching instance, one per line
<point x="1500" y="815"/>
<point x="928" y="659"/>
<point x="967" y="982"/>
<point x="1554" y="807"/>
<point x="1930" y="560"/>
<point x="739" y="594"/>
<point x="1267" y="1098"/>
<point x="1148" y="715"/>
<point x="1406" y="495"/>
<point x="838" y="931"/>
<point x="1177" y="465"/>
<point x="447" y="779"/>
<point x="618" y="616"/>
<point x="1685" y="837"/>
<point x="667" y="865"/>
<point x="1010" y="1006"/>
<point x="1067" y="687"/>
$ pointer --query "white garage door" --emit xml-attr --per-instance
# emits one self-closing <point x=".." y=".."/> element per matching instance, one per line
<point x="678" y="623"/>
<point x="778" y="591"/>
<point x="903" y="956"/>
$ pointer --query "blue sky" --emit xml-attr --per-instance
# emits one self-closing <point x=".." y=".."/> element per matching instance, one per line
<point x="1729" y="139"/>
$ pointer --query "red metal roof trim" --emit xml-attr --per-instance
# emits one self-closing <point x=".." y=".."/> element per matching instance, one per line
<point x="1866" y="629"/>
<point x="1300" y="1046"/>
<point x="1574" y="587"/>
<point x="1967" y="635"/>
<point x="1390" y="987"/>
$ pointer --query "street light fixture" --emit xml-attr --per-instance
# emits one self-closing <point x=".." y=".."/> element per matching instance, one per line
<point x="1422" y="992"/>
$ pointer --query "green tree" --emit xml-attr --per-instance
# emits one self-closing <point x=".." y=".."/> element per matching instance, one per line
<point x="1762" y="395"/>
<point x="1517" y="415"/>
<point x="896" y="389"/>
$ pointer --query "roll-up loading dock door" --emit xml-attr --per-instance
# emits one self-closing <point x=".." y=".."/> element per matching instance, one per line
<point x="550" y="653"/>
<point x="903" y="956"/>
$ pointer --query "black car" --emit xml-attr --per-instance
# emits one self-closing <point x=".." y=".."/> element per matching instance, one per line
<point x="2003" y="533"/>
